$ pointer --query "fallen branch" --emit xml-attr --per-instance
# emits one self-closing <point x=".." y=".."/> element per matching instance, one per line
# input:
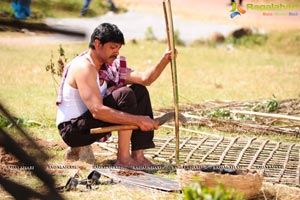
<point x="277" y="116"/>
<point x="239" y="125"/>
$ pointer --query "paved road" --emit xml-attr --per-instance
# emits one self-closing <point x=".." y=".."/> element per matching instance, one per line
<point x="134" y="25"/>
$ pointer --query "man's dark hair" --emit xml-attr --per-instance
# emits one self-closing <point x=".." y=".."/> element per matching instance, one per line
<point x="106" y="32"/>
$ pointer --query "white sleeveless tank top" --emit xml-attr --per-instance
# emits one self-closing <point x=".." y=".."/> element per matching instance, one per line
<point x="72" y="105"/>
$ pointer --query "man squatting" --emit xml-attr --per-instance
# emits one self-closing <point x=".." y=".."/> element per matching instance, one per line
<point x="94" y="93"/>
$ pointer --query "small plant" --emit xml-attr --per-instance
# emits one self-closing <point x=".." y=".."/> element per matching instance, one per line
<point x="19" y="121"/>
<point x="268" y="106"/>
<point x="197" y="191"/>
<point x="272" y="105"/>
<point x="219" y="113"/>
<point x="57" y="69"/>
<point x="149" y="34"/>
<point x="4" y="122"/>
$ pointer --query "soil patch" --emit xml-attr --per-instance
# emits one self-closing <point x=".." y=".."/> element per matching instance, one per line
<point x="10" y="165"/>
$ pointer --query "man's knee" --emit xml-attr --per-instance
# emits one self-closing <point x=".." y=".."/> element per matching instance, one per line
<point x="125" y="99"/>
<point x="140" y="90"/>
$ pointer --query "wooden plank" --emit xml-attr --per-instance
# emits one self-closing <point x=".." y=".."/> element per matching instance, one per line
<point x="140" y="179"/>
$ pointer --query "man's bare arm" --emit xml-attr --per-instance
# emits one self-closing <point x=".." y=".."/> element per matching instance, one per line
<point x="85" y="77"/>
<point x="147" y="77"/>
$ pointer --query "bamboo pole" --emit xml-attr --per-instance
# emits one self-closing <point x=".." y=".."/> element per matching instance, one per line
<point x="171" y="43"/>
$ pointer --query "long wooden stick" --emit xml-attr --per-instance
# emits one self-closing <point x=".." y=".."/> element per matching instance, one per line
<point x="167" y="26"/>
<point x="171" y="42"/>
<point x="276" y="116"/>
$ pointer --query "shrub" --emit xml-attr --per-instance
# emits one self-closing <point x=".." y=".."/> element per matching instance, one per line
<point x="197" y="191"/>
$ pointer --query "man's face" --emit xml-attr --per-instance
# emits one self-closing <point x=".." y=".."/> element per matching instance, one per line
<point x="110" y="51"/>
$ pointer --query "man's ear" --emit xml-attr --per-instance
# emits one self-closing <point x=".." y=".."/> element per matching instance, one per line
<point x="97" y="43"/>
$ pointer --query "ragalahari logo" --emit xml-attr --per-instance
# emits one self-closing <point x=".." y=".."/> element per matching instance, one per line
<point x="236" y="10"/>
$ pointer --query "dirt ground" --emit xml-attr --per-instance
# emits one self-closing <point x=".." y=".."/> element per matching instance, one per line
<point x="7" y="159"/>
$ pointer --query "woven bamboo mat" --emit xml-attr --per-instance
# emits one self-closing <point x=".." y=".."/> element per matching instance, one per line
<point x="280" y="162"/>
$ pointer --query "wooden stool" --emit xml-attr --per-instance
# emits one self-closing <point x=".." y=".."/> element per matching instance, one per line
<point x="83" y="154"/>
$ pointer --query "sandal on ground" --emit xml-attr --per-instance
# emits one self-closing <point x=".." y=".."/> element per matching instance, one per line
<point x="91" y="183"/>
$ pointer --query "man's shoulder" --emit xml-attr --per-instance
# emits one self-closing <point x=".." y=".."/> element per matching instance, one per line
<point x="81" y="69"/>
<point x="80" y="63"/>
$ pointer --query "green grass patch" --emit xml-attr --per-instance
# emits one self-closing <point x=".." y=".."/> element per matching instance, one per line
<point x="198" y="191"/>
<point x="60" y="8"/>
<point x="274" y="43"/>
<point x="287" y="42"/>
<point x="277" y="42"/>
<point x="248" y="40"/>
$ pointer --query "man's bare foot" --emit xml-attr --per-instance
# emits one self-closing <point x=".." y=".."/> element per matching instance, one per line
<point x="126" y="162"/>
<point x="143" y="161"/>
<point x="139" y="156"/>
